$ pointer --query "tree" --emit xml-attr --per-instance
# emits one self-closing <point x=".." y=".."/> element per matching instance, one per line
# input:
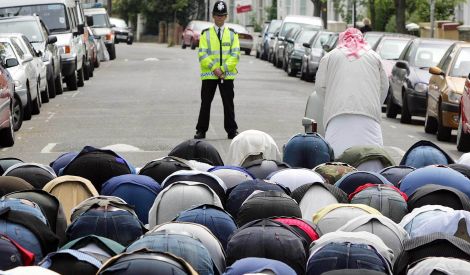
<point x="400" y="19"/>
<point x="320" y="10"/>
<point x="272" y="11"/>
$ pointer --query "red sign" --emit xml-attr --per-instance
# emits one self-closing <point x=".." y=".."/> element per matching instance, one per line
<point x="242" y="9"/>
<point x="243" y="6"/>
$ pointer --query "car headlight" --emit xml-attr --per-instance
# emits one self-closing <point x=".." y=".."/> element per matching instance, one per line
<point x="454" y="97"/>
<point x="66" y="49"/>
<point x="421" y="87"/>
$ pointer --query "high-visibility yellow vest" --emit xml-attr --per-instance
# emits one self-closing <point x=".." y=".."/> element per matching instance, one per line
<point x="214" y="53"/>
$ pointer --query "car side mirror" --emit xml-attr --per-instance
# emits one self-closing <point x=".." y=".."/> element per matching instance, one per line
<point x="113" y="26"/>
<point x="326" y="48"/>
<point x="290" y="41"/>
<point x="436" y="71"/>
<point x="27" y="58"/>
<point x="260" y="35"/>
<point x="89" y="21"/>
<point x="402" y="64"/>
<point x="307" y="45"/>
<point x="11" y="62"/>
<point x="280" y="39"/>
<point x="51" y="39"/>
<point x="38" y="53"/>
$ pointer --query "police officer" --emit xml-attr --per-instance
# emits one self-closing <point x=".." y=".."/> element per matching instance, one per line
<point x="219" y="52"/>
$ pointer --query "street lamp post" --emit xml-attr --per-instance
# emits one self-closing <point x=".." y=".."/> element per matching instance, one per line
<point x="432" y="5"/>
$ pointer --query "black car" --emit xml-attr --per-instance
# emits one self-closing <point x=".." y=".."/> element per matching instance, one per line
<point x="290" y="36"/>
<point x="295" y="50"/>
<point x="122" y="32"/>
<point x="410" y="77"/>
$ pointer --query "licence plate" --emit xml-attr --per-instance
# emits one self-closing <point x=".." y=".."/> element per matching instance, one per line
<point x="120" y="36"/>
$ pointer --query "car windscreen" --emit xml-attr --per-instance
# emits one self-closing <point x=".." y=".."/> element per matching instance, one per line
<point x="6" y="51"/>
<point x="274" y="25"/>
<point x="305" y="37"/>
<point x="321" y="40"/>
<point x="427" y="55"/>
<point x="28" y="28"/>
<point x="288" y="26"/>
<point x="118" y="22"/>
<point x="391" y="49"/>
<point x="100" y="21"/>
<point x="372" y="38"/>
<point x="53" y="15"/>
<point x="461" y="66"/>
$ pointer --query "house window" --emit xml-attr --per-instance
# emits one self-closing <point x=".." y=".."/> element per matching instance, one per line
<point x="303" y="7"/>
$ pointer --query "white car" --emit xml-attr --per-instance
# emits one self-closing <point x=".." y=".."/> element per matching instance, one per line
<point x="25" y="74"/>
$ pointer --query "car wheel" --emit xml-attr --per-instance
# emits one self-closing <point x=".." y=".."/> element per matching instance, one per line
<point x="290" y="71"/>
<point x="430" y="124"/>
<point x="91" y="69"/>
<point x="112" y="52"/>
<point x="28" y="111"/>
<point x="37" y="102"/>
<point x="302" y="75"/>
<point x="71" y="81"/>
<point x="463" y="139"/>
<point x="183" y="46"/>
<point x="130" y="41"/>
<point x="86" y="72"/>
<point x="193" y="46"/>
<point x="391" y="110"/>
<point x="59" y="85"/>
<point x="257" y="54"/>
<point x="17" y="113"/>
<point x="45" y="95"/>
<point x="405" y="112"/>
<point x="7" y="135"/>
<point x="81" y="76"/>
<point x="247" y="52"/>
<point x="51" y="87"/>
<point x="443" y="133"/>
<point x="97" y="62"/>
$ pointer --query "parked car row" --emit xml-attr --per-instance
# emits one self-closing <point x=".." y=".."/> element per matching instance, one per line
<point x="427" y="77"/>
<point x="192" y="32"/>
<point x="44" y="43"/>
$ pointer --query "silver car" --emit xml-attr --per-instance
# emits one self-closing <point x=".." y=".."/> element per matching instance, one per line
<point x="25" y="74"/>
<point x="102" y="28"/>
<point x="244" y="37"/>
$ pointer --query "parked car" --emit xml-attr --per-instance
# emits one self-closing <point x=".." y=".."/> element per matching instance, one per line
<point x="463" y="131"/>
<point x="290" y="36"/>
<point x="192" y="32"/>
<point x="410" y="77"/>
<point x="92" y="54"/>
<point x="445" y="91"/>
<point x="102" y="27"/>
<point x="373" y="38"/>
<point x="122" y="32"/>
<point x="7" y="132"/>
<point x="266" y="36"/>
<point x="25" y="75"/>
<point x="390" y="48"/>
<point x="259" y="41"/>
<point x="315" y="50"/>
<point x="296" y="50"/>
<point x="64" y="19"/>
<point x="306" y="22"/>
<point x="244" y="37"/>
<point x="44" y="44"/>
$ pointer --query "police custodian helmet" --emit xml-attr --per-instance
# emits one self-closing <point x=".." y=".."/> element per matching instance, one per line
<point x="220" y="8"/>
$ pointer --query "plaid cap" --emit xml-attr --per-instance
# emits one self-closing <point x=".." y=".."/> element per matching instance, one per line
<point x="333" y="171"/>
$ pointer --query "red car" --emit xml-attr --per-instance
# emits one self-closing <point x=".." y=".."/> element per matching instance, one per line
<point x="7" y="89"/>
<point x="463" y="131"/>
<point x="191" y="33"/>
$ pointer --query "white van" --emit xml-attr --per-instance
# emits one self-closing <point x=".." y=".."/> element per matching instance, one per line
<point x="65" y="20"/>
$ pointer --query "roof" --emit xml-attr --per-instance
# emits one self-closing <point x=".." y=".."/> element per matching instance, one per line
<point x="20" y="18"/>
<point x="18" y="3"/>
<point x="95" y="11"/>
<point x="303" y="19"/>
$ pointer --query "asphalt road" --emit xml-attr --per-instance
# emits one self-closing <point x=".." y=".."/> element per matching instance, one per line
<point x="147" y="101"/>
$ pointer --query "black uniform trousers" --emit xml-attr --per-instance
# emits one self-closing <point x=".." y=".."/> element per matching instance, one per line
<point x="207" y="95"/>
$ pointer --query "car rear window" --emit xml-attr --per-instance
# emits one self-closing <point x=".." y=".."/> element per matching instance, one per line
<point x="461" y="66"/>
<point x="391" y="49"/>
<point x="427" y="55"/>
<point x="28" y="28"/>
